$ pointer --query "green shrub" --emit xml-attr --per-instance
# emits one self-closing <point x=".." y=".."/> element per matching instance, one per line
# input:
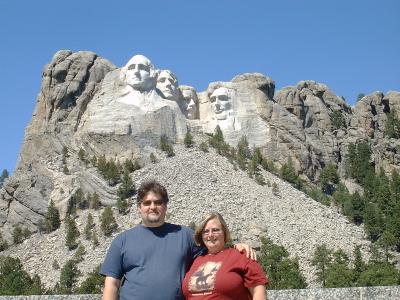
<point x="188" y="140"/>
<point x="108" y="223"/>
<point x="166" y="146"/>
<point x="203" y="147"/>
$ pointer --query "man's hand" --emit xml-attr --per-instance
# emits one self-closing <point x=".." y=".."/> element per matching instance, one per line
<point x="246" y="249"/>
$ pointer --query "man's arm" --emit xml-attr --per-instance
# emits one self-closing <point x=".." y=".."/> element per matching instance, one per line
<point x="246" y="249"/>
<point x="111" y="287"/>
<point x="258" y="292"/>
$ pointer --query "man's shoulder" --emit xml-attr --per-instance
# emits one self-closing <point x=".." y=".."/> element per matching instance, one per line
<point x="128" y="232"/>
<point x="176" y="227"/>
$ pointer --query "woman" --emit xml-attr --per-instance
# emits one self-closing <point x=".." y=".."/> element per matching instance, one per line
<point x="222" y="273"/>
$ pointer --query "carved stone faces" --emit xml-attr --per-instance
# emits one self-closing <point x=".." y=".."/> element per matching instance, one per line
<point x="168" y="85"/>
<point x="191" y="103"/>
<point x="221" y="103"/>
<point x="139" y="73"/>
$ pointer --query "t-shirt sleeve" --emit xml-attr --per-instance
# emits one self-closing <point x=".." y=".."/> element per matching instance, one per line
<point x="112" y="265"/>
<point x="194" y="249"/>
<point x="253" y="274"/>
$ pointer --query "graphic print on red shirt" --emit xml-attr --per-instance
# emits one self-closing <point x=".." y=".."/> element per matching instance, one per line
<point x="203" y="279"/>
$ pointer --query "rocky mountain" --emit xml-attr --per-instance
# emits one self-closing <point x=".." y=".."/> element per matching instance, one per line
<point x="88" y="104"/>
<point x="208" y="182"/>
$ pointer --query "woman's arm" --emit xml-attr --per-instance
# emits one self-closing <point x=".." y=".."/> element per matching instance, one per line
<point x="258" y="292"/>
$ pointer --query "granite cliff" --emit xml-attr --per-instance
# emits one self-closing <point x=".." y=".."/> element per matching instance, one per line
<point x="85" y="102"/>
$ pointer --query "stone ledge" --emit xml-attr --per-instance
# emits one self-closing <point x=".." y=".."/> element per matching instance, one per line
<point x="358" y="293"/>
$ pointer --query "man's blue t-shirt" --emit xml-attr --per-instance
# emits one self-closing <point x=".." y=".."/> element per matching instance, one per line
<point x="153" y="261"/>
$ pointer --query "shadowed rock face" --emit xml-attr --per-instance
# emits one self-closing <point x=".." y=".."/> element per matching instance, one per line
<point x="85" y="102"/>
<point x="68" y="84"/>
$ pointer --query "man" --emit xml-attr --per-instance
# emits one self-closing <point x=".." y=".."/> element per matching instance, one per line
<point x="138" y="73"/>
<point x="221" y="103"/>
<point x="149" y="261"/>
<point x="167" y="84"/>
<point x="190" y="102"/>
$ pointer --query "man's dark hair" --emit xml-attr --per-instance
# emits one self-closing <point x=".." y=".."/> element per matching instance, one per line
<point x="152" y="186"/>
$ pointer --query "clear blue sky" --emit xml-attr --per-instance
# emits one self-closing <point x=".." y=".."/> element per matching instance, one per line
<point x="351" y="46"/>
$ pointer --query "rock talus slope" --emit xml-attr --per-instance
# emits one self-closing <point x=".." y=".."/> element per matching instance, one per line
<point x="207" y="182"/>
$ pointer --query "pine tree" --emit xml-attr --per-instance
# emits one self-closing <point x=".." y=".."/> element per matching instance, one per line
<point x="3" y="243"/>
<point x="95" y="239"/>
<point x="127" y="188"/>
<point x="253" y="169"/>
<point x="243" y="153"/>
<point x="283" y="272"/>
<point x="122" y="206"/>
<point x="108" y="223"/>
<point x="17" y="235"/>
<point x="72" y="233"/>
<point x="288" y="173"/>
<point x="102" y="165"/>
<point x="321" y="260"/>
<point x="373" y="221"/>
<point x="89" y="227"/>
<point x="153" y="158"/>
<point x="111" y="173"/>
<point x="358" y="207"/>
<point x="55" y="265"/>
<point x="188" y="140"/>
<point x="217" y="142"/>
<point x="95" y="201"/>
<point x="128" y="166"/>
<point x="341" y="195"/>
<point x="80" y="252"/>
<point x="66" y="170"/>
<point x="93" y="283"/>
<point x="68" y="277"/>
<point x="136" y="165"/>
<point x="269" y="165"/>
<point x="166" y="146"/>
<point x="82" y="154"/>
<point x="379" y="273"/>
<point x="78" y="200"/>
<point x="203" y="147"/>
<point x="275" y="189"/>
<point x="337" y="119"/>
<point x="392" y="128"/>
<point x="338" y="273"/>
<point x="387" y="241"/>
<point x="14" y="280"/>
<point x="328" y="178"/>
<point x="93" y="161"/>
<point x="359" y="165"/>
<point x="359" y="265"/>
<point x="65" y="155"/>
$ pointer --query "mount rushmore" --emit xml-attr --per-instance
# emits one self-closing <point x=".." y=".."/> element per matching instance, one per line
<point x="85" y="102"/>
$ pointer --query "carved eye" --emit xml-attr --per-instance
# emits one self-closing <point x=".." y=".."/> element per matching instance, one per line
<point x="223" y="98"/>
<point x="144" y="68"/>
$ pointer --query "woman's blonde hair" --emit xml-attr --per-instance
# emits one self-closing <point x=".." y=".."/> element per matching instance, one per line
<point x="198" y="233"/>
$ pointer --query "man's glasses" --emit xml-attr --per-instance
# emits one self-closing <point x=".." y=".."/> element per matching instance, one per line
<point x="156" y="203"/>
<point x="212" y="231"/>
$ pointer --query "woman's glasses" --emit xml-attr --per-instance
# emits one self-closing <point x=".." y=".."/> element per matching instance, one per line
<point x="212" y="231"/>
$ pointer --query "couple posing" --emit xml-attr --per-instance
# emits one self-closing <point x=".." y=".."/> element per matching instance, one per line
<point x="159" y="260"/>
